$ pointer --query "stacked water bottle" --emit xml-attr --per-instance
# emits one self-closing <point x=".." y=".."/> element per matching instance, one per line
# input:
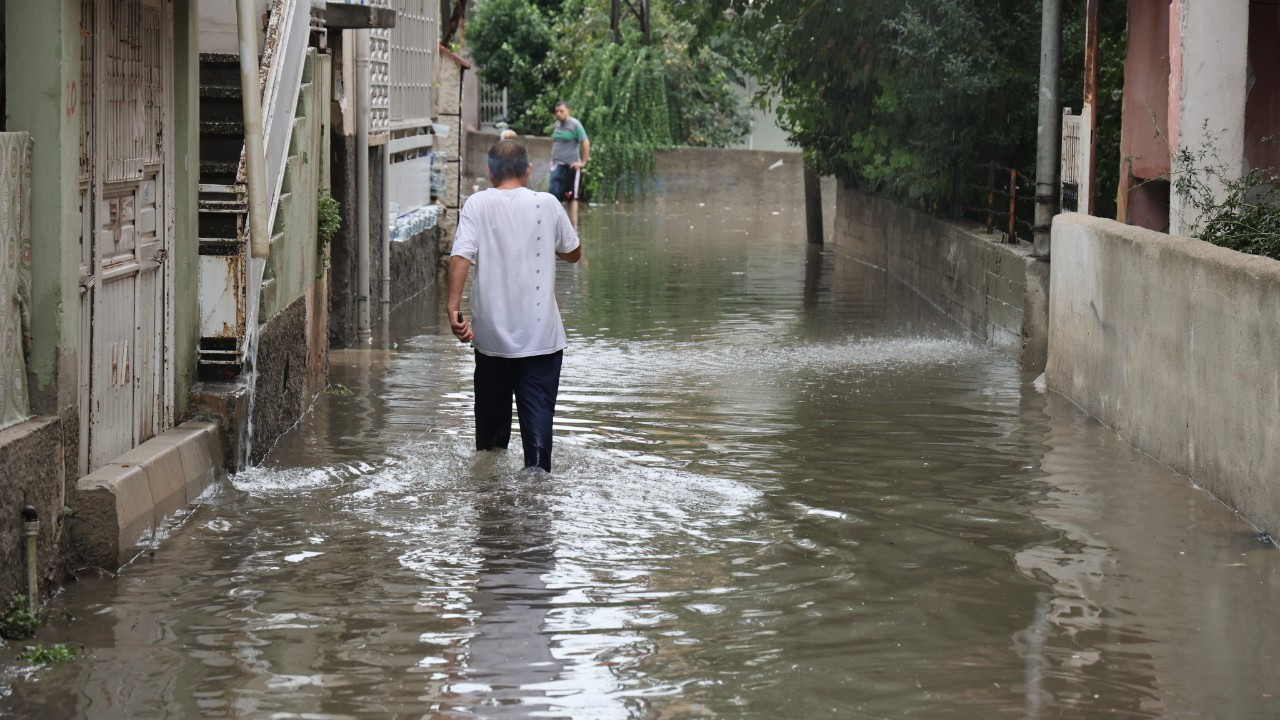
<point x="406" y="226"/>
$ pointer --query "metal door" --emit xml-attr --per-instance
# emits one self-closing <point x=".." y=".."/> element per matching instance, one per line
<point x="126" y="384"/>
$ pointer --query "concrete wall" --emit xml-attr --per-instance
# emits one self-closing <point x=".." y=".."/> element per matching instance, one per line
<point x="772" y="176"/>
<point x="292" y="363"/>
<point x="1173" y="343"/>
<point x="186" y="185"/>
<point x="996" y="290"/>
<point x="30" y="453"/>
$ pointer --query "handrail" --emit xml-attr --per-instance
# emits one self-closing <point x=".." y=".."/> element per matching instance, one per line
<point x="280" y="76"/>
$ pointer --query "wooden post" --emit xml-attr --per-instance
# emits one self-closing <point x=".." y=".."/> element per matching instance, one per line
<point x="812" y="205"/>
<point x="991" y="196"/>
<point x="1013" y="205"/>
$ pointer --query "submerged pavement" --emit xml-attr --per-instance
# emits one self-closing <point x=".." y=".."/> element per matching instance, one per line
<point x="784" y="487"/>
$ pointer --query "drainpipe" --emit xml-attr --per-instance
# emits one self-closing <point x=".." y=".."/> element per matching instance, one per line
<point x="1049" y="126"/>
<point x="254" y="153"/>
<point x="31" y="525"/>
<point x="363" y="324"/>
<point x="386" y="239"/>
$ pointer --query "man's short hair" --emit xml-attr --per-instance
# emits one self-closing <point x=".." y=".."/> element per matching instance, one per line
<point x="507" y="159"/>
<point x="561" y="103"/>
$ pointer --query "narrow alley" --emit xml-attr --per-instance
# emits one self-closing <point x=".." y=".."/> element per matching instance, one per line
<point x="785" y="487"/>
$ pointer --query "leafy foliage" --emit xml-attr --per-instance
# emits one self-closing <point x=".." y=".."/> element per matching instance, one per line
<point x="510" y="39"/>
<point x="632" y="98"/>
<point x="900" y="97"/>
<point x="622" y="94"/>
<point x="1238" y="213"/>
<point x="53" y="654"/>
<point x="330" y="214"/>
<point x="19" y="620"/>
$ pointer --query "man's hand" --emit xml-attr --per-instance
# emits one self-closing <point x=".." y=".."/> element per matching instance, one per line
<point x="577" y="165"/>
<point x="460" y="327"/>
<point x="458" y="269"/>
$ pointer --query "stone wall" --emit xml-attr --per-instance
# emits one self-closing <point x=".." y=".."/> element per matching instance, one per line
<point x="30" y="453"/>
<point x="994" y="289"/>
<point x="1173" y="343"/>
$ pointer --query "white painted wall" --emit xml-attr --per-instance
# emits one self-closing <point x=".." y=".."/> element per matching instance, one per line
<point x="217" y="25"/>
<point x="1210" y="53"/>
<point x="765" y="133"/>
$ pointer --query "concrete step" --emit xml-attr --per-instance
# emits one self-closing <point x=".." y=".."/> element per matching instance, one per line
<point x="122" y="505"/>
<point x="220" y="69"/>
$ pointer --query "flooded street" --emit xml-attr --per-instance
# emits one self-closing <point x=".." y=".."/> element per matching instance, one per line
<point x="784" y="488"/>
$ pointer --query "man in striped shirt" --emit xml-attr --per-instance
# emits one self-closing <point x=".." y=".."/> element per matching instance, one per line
<point x="570" y="151"/>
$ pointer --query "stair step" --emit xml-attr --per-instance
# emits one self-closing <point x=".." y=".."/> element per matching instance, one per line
<point x="223" y="205"/>
<point x="219" y="69"/>
<point x="218" y="226"/>
<point x="220" y="91"/>
<point x="221" y="127"/>
<point x="217" y="147"/>
<point x="228" y="189"/>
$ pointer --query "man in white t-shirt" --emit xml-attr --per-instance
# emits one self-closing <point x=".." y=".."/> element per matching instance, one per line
<point x="512" y="235"/>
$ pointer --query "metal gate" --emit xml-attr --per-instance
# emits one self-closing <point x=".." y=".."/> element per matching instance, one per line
<point x="126" y="96"/>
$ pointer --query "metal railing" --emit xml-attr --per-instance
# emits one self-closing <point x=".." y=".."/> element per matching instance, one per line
<point x="493" y="104"/>
<point x="283" y="59"/>
<point x="999" y="197"/>
<point x="411" y="73"/>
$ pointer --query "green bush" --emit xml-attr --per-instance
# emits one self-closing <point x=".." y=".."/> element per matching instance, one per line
<point x="53" y="654"/>
<point x="1238" y="213"/>
<point x="330" y="216"/>
<point x="509" y="40"/>
<point x="20" y="620"/>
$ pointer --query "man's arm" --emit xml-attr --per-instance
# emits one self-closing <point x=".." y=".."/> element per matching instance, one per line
<point x="572" y="256"/>
<point x="458" y="269"/>
<point x="585" y="153"/>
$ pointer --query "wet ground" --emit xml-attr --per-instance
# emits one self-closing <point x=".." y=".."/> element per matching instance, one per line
<point x="784" y="488"/>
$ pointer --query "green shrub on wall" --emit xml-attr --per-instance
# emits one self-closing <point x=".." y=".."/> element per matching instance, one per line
<point x="1238" y="213"/>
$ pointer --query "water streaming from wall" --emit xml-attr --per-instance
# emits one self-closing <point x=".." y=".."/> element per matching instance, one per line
<point x="249" y="372"/>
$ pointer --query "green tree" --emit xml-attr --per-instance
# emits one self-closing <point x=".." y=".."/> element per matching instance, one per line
<point x="906" y="97"/>
<point x="510" y="40"/>
<point x="633" y="98"/>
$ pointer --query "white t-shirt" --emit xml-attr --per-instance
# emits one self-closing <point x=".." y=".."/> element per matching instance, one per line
<point x="511" y="238"/>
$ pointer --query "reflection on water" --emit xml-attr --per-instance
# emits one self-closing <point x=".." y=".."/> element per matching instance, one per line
<point x="785" y="488"/>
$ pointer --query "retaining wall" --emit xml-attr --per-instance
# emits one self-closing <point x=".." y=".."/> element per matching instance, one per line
<point x="769" y="176"/>
<point x="996" y="290"/>
<point x="1173" y="343"/>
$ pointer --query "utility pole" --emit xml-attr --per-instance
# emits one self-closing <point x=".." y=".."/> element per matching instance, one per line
<point x="454" y="13"/>
<point x="1049" y="127"/>
<point x="639" y="9"/>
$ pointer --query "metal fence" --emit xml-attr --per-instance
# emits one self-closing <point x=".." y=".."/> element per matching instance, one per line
<point x="999" y="197"/>
<point x="493" y="104"/>
<point x="412" y="63"/>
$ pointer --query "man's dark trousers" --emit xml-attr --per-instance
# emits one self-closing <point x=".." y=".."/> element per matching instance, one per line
<point x="534" y="381"/>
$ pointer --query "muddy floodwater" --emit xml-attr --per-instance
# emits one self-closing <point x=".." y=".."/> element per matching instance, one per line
<point x="784" y="488"/>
